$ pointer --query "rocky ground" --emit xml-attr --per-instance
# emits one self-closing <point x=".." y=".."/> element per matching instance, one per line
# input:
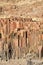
<point x="22" y="8"/>
<point x="14" y="62"/>
<point x="21" y="62"/>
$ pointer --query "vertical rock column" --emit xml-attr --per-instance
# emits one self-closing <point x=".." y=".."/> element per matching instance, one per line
<point x="39" y="49"/>
<point x="17" y="25"/>
<point x="25" y="36"/>
<point x="24" y="42"/>
<point x="6" y="27"/>
<point x="19" y="46"/>
<point x="9" y="25"/>
<point x="16" y="47"/>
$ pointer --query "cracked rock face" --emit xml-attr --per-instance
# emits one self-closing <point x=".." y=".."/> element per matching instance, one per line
<point x="27" y="13"/>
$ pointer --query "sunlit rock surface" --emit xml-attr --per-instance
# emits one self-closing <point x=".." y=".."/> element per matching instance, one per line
<point x="23" y="20"/>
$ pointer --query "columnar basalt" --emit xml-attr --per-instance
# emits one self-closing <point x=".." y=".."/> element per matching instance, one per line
<point x="24" y="34"/>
